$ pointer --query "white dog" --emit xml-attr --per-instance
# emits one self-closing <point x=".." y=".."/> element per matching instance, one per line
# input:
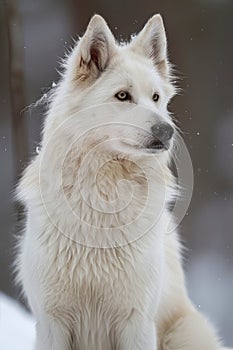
<point x="96" y="263"/>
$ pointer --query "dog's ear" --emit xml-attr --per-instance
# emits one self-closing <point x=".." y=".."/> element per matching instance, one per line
<point x="152" y="43"/>
<point x="95" y="49"/>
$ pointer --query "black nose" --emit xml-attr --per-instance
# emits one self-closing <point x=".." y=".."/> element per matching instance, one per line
<point x="162" y="131"/>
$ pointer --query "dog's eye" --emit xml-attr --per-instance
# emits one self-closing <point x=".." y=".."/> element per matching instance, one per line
<point x="155" y="97"/>
<point x="123" y="96"/>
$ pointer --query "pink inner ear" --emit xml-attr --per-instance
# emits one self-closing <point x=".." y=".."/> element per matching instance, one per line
<point x="95" y="57"/>
<point x="99" y="50"/>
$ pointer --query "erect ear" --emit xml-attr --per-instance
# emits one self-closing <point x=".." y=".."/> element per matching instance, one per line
<point x="95" y="49"/>
<point x="152" y="43"/>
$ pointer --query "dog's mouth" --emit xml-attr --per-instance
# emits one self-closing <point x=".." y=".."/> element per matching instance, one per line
<point x="153" y="146"/>
<point x="157" y="145"/>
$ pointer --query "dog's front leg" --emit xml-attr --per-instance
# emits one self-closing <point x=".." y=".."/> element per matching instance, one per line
<point x="52" y="335"/>
<point x="138" y="336"/>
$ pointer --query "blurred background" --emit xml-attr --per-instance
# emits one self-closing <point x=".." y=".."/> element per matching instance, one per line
<point x="34" y="36"/>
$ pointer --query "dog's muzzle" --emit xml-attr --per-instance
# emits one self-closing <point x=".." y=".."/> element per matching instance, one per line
<point x="161" y="136"/>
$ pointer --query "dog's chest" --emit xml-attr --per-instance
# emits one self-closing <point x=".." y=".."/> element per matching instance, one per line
<point x="105" y="279"/>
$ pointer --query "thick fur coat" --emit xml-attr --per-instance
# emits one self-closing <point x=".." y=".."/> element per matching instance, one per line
<point x="96" y="263"/>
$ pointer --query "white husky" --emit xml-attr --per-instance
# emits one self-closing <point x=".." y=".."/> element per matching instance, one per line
<point x="96" y="263"/>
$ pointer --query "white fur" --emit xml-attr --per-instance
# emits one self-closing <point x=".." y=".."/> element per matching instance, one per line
<point x="95" y="262"/>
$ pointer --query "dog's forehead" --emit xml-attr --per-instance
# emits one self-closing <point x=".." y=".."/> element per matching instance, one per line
<point x="138" y="70"/>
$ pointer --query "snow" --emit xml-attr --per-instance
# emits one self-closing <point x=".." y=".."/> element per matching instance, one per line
<point x="17" y="327"/>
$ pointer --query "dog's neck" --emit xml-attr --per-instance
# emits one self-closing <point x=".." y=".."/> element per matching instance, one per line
<point x="112" y="197"/>
<point x="99" y="198"/>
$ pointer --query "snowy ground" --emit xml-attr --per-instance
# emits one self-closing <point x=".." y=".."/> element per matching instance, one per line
<point x="17" y="327"/>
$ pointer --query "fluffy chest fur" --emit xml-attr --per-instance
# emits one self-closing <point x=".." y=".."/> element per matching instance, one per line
<point x="93" y="268"/>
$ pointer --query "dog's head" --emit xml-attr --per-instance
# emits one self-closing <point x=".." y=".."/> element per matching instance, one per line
<point x="120" y="91"/>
